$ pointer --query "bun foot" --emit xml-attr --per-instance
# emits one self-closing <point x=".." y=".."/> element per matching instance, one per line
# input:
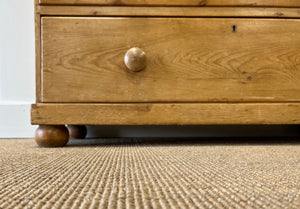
<point x="51" y="135"/>
<point x="77" y="131"/>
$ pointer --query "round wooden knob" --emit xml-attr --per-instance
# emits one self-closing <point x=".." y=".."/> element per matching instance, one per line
<point x="135" y="59"/>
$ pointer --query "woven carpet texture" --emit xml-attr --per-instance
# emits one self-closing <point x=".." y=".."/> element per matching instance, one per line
<point x="145" y="174"/>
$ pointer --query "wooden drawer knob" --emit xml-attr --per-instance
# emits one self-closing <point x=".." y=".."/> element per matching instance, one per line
<point x="135" y="59"/>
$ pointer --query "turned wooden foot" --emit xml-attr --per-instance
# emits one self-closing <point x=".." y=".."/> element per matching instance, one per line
<point x="51" y="135"/>
<point x="77" y="131"/>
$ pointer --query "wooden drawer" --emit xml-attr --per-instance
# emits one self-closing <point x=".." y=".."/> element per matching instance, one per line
<point x="188" y="59"/>
<point x="275" y="3"/>
<point x="207" y="62"/>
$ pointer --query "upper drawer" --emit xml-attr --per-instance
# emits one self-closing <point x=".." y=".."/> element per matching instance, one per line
<point x="188" y="59"/>
<point x="275" y="3"/>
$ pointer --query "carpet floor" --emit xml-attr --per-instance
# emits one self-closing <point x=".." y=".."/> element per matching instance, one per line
<point x="149" y="174"/>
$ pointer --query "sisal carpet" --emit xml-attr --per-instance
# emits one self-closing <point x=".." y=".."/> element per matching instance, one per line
<point x="145" y="174"/>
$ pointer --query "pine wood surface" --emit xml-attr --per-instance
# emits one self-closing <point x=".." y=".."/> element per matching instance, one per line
<point x="169" y="11"/>
<point x="188" y="60"/>
<point x="37" y="22"/>
<point x="166" y="113"/>
<point x="275" y="3"/>
<point x="280" y="54"/>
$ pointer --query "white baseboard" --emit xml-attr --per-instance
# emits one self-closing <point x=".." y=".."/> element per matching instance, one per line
<point x="15" y="121"/>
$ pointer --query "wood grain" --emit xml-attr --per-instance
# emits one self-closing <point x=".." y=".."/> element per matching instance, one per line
<point x="120" y="11"/>
<point x="166" y="114"/>
<point x="276" y="3"/>
<point x="37" y="19"/>
<point x="188" y="60"/>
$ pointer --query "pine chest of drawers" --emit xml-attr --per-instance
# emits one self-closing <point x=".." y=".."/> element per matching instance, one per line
<point x="145" y="62"/>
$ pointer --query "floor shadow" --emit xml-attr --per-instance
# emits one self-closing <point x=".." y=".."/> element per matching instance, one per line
<point x="203" y="141"/>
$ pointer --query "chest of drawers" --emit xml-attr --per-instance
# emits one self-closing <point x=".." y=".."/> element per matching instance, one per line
<point x="151" y="62"/>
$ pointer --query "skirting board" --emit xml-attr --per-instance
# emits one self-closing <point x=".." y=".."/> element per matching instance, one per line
<point x="15" y="121"/>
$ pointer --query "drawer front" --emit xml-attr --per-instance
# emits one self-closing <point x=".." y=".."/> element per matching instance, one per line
<point x="187" y="59"/>
<point x="276" y="3"/>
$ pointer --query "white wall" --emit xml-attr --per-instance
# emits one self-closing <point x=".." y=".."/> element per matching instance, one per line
<point x="17" y="90"/>
<point x="16" y="67"/>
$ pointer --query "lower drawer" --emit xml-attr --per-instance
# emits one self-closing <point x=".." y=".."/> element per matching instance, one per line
<point x="187" y="59"/>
